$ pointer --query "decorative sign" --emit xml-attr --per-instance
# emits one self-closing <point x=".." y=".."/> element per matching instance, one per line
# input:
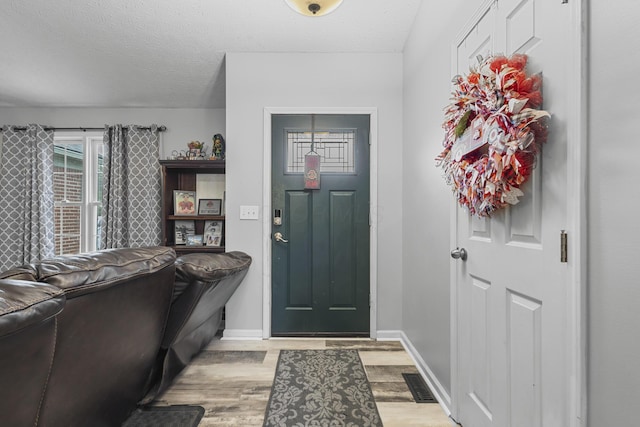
<point x="312" y="171"/>
<point x="493" y="132"/>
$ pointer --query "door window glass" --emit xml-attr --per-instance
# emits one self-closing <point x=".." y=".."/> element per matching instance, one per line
<point x="336" y="149"/>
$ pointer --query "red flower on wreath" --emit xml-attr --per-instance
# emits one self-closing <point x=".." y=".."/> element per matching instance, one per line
<point x="493" y="131"/>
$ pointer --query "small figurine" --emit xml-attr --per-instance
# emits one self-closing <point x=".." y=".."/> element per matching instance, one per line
<point x="218" y="147"/>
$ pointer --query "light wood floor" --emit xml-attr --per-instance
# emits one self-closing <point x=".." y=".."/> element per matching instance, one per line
<point x="232" y="380"/>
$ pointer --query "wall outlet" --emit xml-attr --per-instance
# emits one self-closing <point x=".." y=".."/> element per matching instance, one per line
<point x="249" y="212"/>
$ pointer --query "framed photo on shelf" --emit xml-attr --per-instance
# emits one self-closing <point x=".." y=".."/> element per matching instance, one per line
<point x="195" y="154"/>
<point x="194" y="240"/>
<point x="183" y="229"/>
<point x="210" y="207"/>
<point x="184" y="202"/>
<point x="213" y="233"/>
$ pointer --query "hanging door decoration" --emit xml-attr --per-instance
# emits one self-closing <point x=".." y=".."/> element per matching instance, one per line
<point x="312" y="162"/>
<point x="312" y="171"/>
<point x="494" y="129"/>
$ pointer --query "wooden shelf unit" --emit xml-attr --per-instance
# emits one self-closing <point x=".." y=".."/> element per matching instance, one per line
<point x="183" y="175"/>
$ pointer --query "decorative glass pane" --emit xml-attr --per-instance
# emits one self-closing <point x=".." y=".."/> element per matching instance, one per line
<point x="336" y="149"/>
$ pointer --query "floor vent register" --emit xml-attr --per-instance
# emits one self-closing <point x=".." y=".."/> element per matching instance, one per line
<point x="419" y="388"/>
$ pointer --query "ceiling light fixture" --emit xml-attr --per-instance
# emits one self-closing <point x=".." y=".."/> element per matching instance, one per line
<point x="314" y="7"/>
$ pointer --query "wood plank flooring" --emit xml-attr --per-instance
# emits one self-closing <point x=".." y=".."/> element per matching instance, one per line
<point x="232" y="380"/>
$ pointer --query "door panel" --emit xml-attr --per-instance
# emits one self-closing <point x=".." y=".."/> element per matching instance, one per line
<point x="299" y="259"/>
<point x="520" y="25"/>
<point x="524" y="335"/>
<point x="343" y="246"/>
<point x="524" y="220"/>
<point x="320" y="276"/>
<point x="510" y="292"/>
<point x="480" y="384"/>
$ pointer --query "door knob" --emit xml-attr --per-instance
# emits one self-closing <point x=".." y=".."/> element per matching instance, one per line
<point x="279" y="238"/>
<point x="459" y="253"/>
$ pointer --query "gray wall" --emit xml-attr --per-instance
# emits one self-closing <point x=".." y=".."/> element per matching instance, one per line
<point x="183" y="124"/>
<point x="614" y="229"/>
<point x="427" y="201"/>
<point x="259" y="80"/>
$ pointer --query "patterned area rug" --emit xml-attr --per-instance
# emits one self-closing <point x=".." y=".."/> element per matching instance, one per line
<point x="165" y="416"/>
<point x="321" y="388"/>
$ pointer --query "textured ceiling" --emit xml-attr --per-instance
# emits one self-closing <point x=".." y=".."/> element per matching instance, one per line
<point x="168" y="53"/>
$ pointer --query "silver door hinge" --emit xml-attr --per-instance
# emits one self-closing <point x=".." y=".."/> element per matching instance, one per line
<point x="565" y="1"/>
<point x="563" y="246"/>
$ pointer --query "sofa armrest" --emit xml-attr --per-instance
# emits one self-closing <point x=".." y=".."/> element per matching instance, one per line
<point x="24" y="303"/>
<point x="26" y="272"/>
<point x="28" y="336"/>
<point x="208" y="268"/>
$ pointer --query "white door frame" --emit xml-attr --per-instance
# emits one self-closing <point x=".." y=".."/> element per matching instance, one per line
<point x="576" y="218"/>
<point x="373" y="203"/>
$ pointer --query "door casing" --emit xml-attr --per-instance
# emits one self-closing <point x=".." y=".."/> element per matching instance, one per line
<point x="266" y="203"/>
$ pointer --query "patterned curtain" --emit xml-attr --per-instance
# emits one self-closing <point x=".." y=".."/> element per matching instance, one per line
<point x="132" y="192"/>
<point x="26" y="196"/>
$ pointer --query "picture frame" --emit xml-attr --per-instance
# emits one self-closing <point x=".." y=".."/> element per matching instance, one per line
<point x="194" y="240"/>
<point x="210" y="207"/>
<point x="184" y="202"/>
<point x="183" y="229"/>
<point x="213" y="233"/>
<point x="194" y="153"/>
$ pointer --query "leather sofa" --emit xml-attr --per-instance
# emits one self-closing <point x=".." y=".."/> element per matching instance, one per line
<point x="83" y="338"/>
<point x="102" y="343"/>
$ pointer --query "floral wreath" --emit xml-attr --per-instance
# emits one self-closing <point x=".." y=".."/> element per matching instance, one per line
<point x="494" y="129"/>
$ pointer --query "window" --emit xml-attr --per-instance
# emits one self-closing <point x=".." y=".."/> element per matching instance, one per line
<point x="336" y="150"/>
<point x="77" y="189"/>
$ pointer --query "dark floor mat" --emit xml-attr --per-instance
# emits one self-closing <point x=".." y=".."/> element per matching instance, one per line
<point x="165" y="416"/>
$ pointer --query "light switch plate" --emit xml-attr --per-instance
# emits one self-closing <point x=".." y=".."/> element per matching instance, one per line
<point x="249" y="212"/>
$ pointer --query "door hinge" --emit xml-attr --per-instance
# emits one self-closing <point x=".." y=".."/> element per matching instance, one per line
<point x="565" y="1"/>
<point x="563" y="246"/>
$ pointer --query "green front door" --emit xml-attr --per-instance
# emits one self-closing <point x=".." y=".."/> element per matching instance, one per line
<point x="320" y="270"/>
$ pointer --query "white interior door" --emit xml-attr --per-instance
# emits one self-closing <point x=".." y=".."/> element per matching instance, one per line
<point x="510" y="293"/>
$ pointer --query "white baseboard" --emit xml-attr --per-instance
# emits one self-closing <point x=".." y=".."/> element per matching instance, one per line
<point x="242" y="334"/>
<point x="432" y="381"/>
<point x="389" y="335"/>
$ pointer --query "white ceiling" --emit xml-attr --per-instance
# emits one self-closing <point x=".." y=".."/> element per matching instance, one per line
<point x="168" y="53"/>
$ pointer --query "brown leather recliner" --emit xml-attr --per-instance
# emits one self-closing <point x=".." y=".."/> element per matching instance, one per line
<point x="28" y="326"/>
<point x="204" y="284"/>
<point x="109" y="332"/>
